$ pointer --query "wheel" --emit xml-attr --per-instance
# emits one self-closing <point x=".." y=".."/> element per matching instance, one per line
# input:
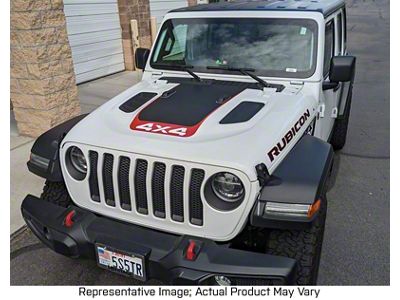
<point x="56" y="192"/>
<point x="304" y="245"/>
<point x="339" y="134"/>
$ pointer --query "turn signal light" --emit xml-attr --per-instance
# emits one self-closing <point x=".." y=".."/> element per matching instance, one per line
<point x="314" y="208"/>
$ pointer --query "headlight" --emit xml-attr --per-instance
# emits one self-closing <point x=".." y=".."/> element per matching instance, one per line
<point x="76" y="163"/>
<point x="227" y="186"/>
<point x="78" y="160"/>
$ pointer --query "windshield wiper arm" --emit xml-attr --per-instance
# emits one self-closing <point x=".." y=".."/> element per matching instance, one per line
<point x="195" y="76"/>
<point x="181" y="68"/>
<point x="244" y="71"/>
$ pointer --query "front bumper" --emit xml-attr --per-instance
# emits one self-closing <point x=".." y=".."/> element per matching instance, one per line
<point x="164" y="253"/>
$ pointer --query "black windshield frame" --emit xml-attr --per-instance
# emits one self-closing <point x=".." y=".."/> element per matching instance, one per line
<point x="309" y="23"/>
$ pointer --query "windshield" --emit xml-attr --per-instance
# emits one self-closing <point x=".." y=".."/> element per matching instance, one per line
<point x="272" y="47"/>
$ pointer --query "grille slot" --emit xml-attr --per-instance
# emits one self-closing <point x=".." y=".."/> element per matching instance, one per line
<point x="176" y="193"/>
<point x="123" y="183"/>
<point x="93" y="180"/>
<point x="108" y="179"/>
<point x="140" y="186"/>
<point x="158" y="190"/>
<point x="195" y="203"/>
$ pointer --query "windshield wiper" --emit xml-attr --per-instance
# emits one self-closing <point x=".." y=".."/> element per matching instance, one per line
<point x="180" y="68"/>
<point x="244" y="71"/>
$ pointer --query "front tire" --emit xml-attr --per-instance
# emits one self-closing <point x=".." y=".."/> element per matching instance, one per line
<point x="56" y="193"/>
<point x="304" y="245"/>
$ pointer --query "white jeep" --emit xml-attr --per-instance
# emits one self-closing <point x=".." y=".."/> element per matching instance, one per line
<point x="213" y="169"/>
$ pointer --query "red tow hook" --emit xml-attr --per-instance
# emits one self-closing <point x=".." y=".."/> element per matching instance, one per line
<point x="68" y="221"/>
<point x="191" y="251"/>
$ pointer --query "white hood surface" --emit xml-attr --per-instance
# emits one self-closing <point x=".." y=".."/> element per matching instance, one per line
<point x="182" y="122"/>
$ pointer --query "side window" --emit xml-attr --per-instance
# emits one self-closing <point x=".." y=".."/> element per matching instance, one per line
<point x="179" y="46"/>
<point x="339" y="27"/>
<point x="344" y="31"/>
<point x="173" y="44"/>
<point x="329" y="44"/>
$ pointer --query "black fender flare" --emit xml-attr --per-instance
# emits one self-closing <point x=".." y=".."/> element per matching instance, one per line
<point x="299" y="179"/>
<point x="46" y="148"/>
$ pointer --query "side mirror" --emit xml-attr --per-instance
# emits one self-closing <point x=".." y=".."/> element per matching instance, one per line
<point x="141" y="56"/>
<point x="342" y="68"/>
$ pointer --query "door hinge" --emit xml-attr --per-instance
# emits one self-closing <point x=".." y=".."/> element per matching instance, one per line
<point x="321" y="110"/>
<point x="334" y="112"/>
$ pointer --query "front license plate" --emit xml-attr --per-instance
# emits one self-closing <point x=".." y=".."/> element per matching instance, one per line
<point x="121" y="262"/>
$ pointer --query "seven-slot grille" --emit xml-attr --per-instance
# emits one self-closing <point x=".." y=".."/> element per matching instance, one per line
<point x="140" y="170"/>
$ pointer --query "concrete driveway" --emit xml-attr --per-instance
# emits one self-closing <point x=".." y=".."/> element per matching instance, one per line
<point x="356" y="245"/>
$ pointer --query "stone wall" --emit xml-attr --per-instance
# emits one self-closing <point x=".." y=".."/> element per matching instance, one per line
<point x="43" y="88"/>
<point x="192" y="2"/>
<point x="134" y="10"/>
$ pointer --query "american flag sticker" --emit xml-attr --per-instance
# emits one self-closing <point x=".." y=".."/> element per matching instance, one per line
<point x="104" y="256"/>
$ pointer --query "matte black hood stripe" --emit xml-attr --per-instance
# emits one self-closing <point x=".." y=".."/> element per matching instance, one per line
<point x="189" y="103"/>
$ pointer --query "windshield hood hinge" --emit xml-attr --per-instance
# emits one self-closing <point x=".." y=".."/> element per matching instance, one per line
<point x="156" y="75"/>
<point x="297" y="82"/>
<point x="262" y="174"/>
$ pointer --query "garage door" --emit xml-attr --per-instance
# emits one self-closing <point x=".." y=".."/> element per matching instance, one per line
<point x="94" y="34"/>
<point x="158" y="8"/>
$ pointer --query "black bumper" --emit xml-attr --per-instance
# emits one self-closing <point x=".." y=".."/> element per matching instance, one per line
<point x="164" y="253"/>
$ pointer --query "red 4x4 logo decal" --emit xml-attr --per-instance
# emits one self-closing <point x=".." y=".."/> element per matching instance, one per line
<point x="164" y="129"/>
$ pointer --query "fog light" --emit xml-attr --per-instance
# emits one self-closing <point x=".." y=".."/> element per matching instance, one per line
<point x="222" y="280"/>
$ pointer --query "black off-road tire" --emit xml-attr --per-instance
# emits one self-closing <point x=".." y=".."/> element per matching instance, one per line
<point x="56" y="192"/>
<point x="304" y="245"/>
<point x="339" y="134"/>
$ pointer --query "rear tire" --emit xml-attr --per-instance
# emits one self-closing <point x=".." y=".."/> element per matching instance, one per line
<point x="56" y="193"/>
<point x="304" y="245"/>
<point x="339" y="133"/>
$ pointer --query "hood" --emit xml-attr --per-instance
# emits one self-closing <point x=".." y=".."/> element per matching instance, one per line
<point x="222" y="123"/>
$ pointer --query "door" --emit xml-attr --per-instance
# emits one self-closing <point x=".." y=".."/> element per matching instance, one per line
<point x="94" y="33"/>
<point x="346" y="87"/>
<point x="333" y="47"/>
